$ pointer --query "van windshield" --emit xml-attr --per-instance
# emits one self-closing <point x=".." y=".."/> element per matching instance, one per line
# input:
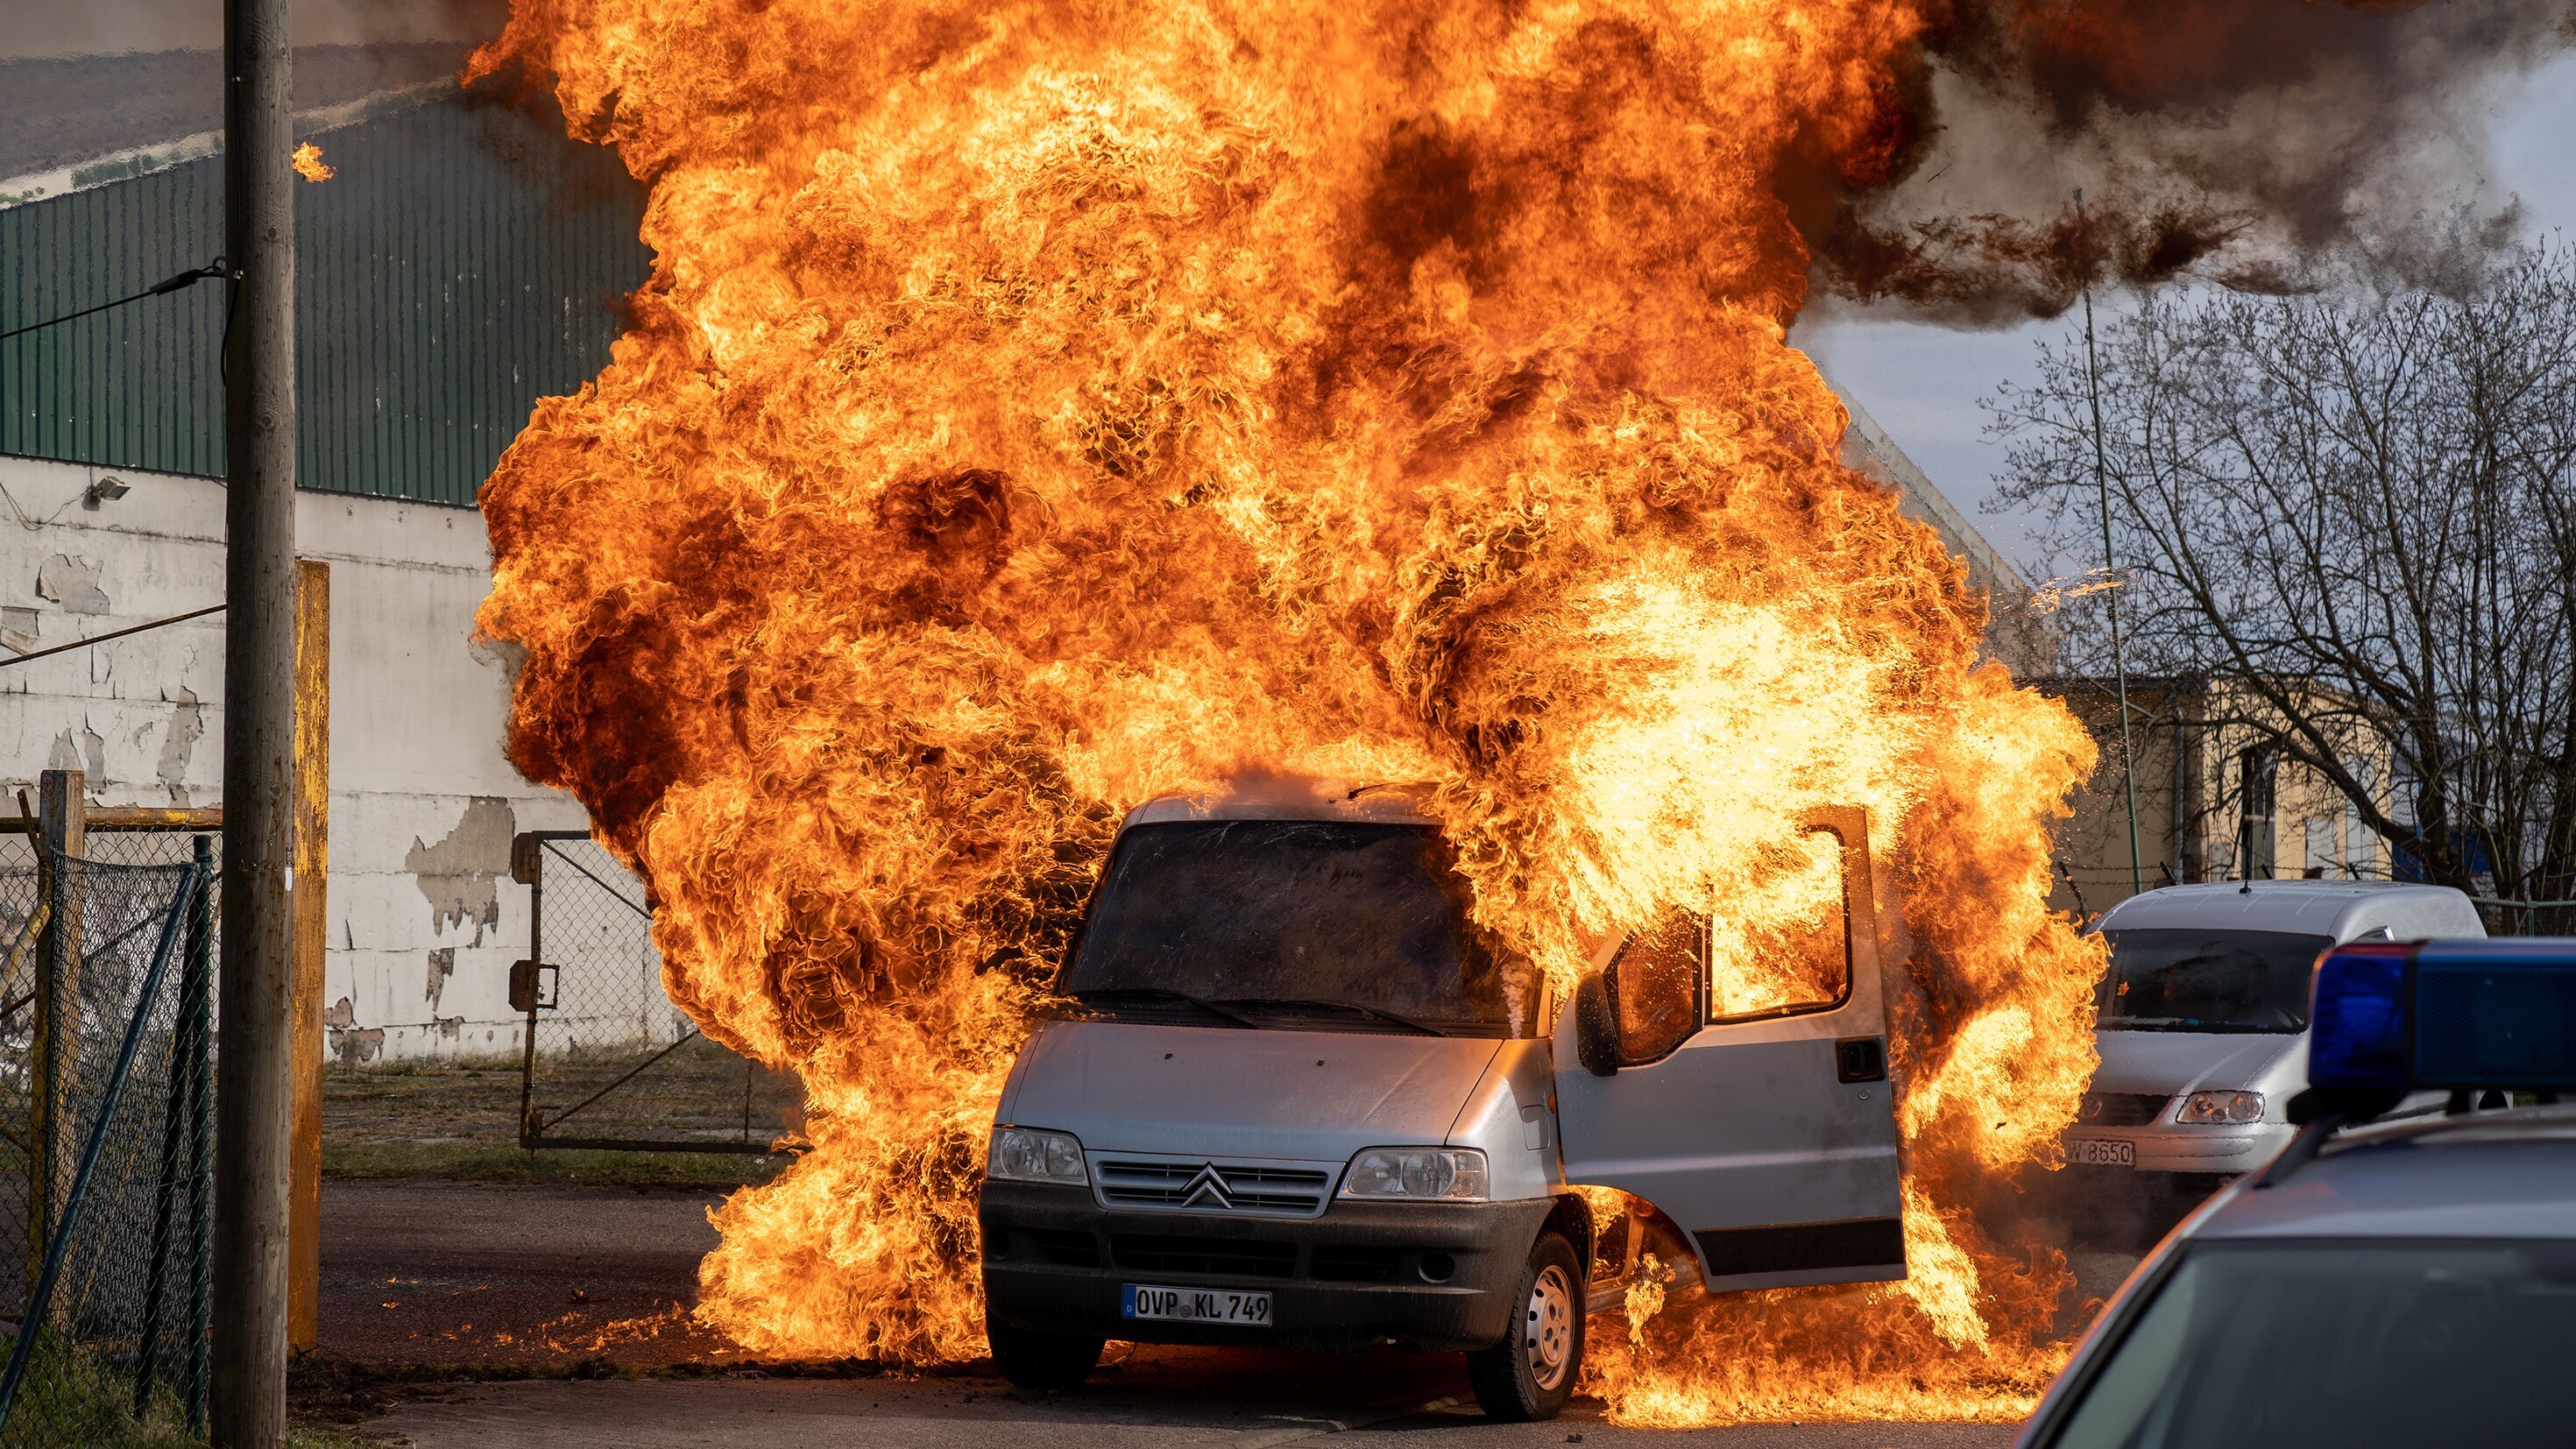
<point x="1315" y="925"/>
<point x="2173" y="979"/>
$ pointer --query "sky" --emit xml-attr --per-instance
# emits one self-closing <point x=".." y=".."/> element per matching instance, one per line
<point x="1923" y="382"/>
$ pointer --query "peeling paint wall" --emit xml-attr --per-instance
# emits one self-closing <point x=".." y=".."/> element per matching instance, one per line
<point x="461" y="874"/>
<point x="424" y="920"/>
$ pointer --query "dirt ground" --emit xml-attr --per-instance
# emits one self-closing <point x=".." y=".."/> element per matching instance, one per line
<point x="479" y="1104"/>
<point x="476" y="1104"/>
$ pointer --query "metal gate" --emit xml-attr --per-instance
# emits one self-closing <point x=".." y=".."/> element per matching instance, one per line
<point x="608" y="1061"/>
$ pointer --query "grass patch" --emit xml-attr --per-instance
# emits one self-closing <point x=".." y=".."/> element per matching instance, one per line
<point x="70" y="1397"/>
<point x="485" y="1162"/>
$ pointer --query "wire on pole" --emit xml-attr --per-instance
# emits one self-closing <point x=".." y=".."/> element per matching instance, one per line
<point x="113" y="634"/>
<point x="175" y="283"/>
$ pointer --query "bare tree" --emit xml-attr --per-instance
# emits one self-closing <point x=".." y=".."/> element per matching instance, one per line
<point x="2355" y="516"/>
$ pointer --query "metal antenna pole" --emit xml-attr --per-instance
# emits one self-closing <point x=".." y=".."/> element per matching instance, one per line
<point x="254" y="1062"/>
<point x="2110" y="571"/>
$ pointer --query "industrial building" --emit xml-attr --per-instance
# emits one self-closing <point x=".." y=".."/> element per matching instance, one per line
<point x="464" y="259"/>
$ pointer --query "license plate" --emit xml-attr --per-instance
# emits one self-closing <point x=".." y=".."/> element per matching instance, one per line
<point x="2102" y="1152"/>
<point x="1195" y="1305"/>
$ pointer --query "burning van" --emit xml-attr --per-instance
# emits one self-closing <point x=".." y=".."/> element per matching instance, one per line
<point x="1297" y="1098"/>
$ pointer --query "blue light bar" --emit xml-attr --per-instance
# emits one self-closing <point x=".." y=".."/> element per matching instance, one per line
<point x="2472" y="1014"/>
<point x="2357" y="1019"/>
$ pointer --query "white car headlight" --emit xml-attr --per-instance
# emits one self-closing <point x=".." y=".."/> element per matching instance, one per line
<point x="1417" y="1174"/>
<point x="2220" y="1109"/>
<point x="1024" y="1154"/>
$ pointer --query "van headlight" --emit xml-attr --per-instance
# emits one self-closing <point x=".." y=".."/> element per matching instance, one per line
<point x="1024" y="1154"/>
<point x="2220" y="1109"/>
<point x="1417" y="1174"/>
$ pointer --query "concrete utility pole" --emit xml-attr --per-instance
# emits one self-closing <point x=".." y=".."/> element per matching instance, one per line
<point x="255" y="1059"/>
<point x="2111" y="576"/>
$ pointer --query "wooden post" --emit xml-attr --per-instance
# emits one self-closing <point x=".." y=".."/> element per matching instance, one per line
<point x="255" y="1070"/>
<point x="310" y="903"/>
<point x="53" y="1138"/>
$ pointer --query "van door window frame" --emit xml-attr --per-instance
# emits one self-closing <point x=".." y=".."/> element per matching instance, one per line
<point x="1842" y="996"/>
<point x="1703" y="987"/>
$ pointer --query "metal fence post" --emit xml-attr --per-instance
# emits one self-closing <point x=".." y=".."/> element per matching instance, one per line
<point x="196" y="1005"/>
<point x="528" y="867"/>
<point x="174" y="1125"/>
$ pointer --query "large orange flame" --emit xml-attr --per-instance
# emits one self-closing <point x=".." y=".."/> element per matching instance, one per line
<point x="1039" y="407"/>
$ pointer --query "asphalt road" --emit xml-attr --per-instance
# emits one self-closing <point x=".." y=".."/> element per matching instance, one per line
<point x="508" y="1277"/>
<point x="1207" y="1398"/>
<point x="512" y="1274"/>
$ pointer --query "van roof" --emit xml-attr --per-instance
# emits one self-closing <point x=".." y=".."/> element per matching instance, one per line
<point x="2340" y="909"/>
<point x="1292" y="797"/>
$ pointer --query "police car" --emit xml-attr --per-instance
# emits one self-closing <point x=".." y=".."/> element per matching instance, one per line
<point x="2387" y="1279"/>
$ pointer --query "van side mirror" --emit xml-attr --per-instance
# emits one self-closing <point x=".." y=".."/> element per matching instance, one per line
<point x="1596" y="1025"/>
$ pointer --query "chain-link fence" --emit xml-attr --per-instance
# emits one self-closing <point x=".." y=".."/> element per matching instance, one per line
<point x="609" y="1061"/>
<point x="2526" y="918"/>
<point x="106" y="1096"/>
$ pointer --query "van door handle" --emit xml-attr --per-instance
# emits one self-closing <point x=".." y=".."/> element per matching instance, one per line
<point x="1860" y="1059"/>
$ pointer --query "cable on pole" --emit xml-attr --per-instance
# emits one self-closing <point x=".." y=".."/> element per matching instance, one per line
<point x="113" y="634"/>
<point x="176" y="283"/>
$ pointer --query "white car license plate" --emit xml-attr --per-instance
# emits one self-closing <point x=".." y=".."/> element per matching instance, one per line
<point x="2102" y="1152"/>
<point x="1196" y="1305"/>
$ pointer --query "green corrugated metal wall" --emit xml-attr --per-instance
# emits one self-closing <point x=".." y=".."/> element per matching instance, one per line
<point x="467" y="260"/>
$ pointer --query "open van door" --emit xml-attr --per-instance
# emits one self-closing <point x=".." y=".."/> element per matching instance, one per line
<point x="1750" y="1103"/>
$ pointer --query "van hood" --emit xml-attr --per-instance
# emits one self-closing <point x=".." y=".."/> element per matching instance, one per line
<point x="2169" y="1062"/>
<point x="1229" y="1092"/>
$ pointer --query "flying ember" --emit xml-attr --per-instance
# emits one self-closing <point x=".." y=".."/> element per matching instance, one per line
<point x="1036" y="408"/>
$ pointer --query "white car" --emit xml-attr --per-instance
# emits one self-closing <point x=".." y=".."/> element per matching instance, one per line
<point x="2203" y="1022"/>
<point x="2403" y="1282"/>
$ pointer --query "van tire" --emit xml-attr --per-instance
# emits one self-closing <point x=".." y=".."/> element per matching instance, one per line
<point x="1532" y="1372"/>
<point x="1031" y="1359"/>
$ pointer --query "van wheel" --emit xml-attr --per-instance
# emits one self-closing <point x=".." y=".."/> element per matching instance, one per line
<point x="1531" y="1373"/>
<point x="1034" y="1360"/>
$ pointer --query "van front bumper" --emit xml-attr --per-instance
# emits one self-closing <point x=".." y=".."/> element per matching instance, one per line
<point x="1422" y="1275"/>
<point x="2229" y="1150"/>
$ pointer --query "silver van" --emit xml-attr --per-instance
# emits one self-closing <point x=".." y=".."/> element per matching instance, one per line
<point x="2203" y="1022"/>
<point x="1295" y="1097"/>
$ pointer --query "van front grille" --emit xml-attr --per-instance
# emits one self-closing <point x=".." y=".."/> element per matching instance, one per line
<point x="1062" y="1247"/>
<point x="1352" y="1263"/>
<point x="2120" y="1109"/>
<point x="1235" y="1257"/>
<point x="1273" y="1189"/>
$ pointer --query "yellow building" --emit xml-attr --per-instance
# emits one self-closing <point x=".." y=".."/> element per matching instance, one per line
<point x="2213" y="801"/>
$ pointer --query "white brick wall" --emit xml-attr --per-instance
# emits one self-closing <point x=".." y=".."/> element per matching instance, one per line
<point x="417" y="774"/>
